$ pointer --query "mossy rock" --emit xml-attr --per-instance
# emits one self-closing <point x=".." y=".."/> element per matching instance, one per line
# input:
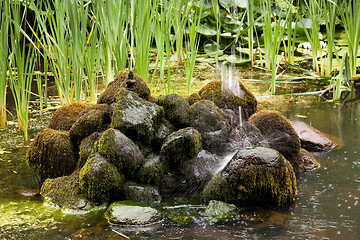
<point x="100" y="179"/>
<point x="162" y="131"/>
<point x="110" y="94"/>
<point x="152" y="171"/>
<point x="257" y="176"/>
<point x="88" y="146"/>
<point x="213" y="92"/>
<point x="176" y="109"/>
<point x="92" y="119"/>
<point x="135" y="117"/>
<point x="51" y="154"/>
<point x="279" y="133"/>
<point x="65" y="193"/>
<point x="307" y="161"/>
<point x="211" y="122"/>
<point x="66" y="116"/>
<point x="121" y="151"/>
<point x="217" y="211"/>
<point x="131" y="213"/>
<point x="142" y="193"/>
<point x="180" y="147"/>
<point x="193" y="98"/>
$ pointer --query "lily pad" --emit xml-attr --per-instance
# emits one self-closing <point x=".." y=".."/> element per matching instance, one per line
<point x="236" y="60"/>
<point x="207" y="30"/>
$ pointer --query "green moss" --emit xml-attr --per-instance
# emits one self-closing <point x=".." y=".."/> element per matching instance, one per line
<point x="121" y="151"/>
<point x="193" y="98"/>
<point x="280" y="134"/>
<point x="65" y="193"/>
<point x="176" y="109"/>
<point x="254" y="182"/>
<point x="51" y="154"/>
<point x="213" y="92"/>
<point x="88" y="146"/>
<point x="66" y="116"/>
<point x="181" y="146"/>
<point x="110" y="94"/>
<point x="99" y="179"/>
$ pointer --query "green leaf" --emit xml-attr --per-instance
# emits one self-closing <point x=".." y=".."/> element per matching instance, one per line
<point x="206" y="30"/>
<point x="211" y="48"/>
<point x="3" y="151"/>
<point x="237" y="60"/>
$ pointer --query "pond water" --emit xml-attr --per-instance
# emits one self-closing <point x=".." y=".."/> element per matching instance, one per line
<point x="326" y="207"/>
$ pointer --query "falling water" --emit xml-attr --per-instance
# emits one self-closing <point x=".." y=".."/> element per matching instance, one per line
<point x="240" y="117"/>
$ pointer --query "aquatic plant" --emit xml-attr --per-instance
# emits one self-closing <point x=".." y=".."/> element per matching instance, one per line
<point x="4" y="53"/>
<point x="22" y="62"/>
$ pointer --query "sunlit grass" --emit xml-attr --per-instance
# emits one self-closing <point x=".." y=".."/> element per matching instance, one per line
<point x="4" y="53"/>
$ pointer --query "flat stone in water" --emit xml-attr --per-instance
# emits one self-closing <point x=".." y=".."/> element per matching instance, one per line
<point x="131" y="213"/>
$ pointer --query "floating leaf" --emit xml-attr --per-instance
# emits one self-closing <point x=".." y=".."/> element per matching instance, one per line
<point x="300" y="116"/>
<point x="237" y="60"/>
<point x="207" y="30"/>
<point x="3" y="151"/>
<point x="211" y="48"/>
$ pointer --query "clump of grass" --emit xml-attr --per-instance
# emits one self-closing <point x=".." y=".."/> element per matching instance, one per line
<point x="4" y="54"/>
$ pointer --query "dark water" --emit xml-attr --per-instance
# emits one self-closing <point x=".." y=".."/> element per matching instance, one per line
<point x="327" y="204"/>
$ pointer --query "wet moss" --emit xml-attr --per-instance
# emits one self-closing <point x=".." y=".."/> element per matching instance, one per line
<point x="99" y="179"/>
<point x="180" y="147"/>
<point x="142" y="193"/>
<point x="279" y="133"/>
<point x="65" y="193"/>
<point x="88" y="146"/>
<point x="121" y="151"/>
<point x="176" y="109"/>
<point x="51" y="154"/>
<point x="213" y="92"/>
<point x="253" y="182"/>
<point x="193" y="98"/>
<point x="110" y="94"/>
<point x="66" y="116"/>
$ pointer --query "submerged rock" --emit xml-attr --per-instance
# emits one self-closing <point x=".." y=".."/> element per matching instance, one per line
<point x="65" y="193"/>
<point x="176" y="109"/>
<point x="66" y="116"/>
<point x="279" y="134"/>
<point x="307" y="161"/>
<point x="211" y="122"/>
<point x="120" y="82"/>
<point x="121" y="151"/>
<point x="51" y="154"/>
<point x="254" y="176"/>
<point x="99" y="179"/>
<point x="132" y="213"/>
<point x="180" y="147"/>
<point x="135" y="117"/>
<point x="213" y="92"/>
<point x="312" y="139"/>
<point x="217" y="211"/>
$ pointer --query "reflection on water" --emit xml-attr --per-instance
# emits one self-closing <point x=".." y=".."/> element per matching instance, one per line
<point x="327" y="205"/>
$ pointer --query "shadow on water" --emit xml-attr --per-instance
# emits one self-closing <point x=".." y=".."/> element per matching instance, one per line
<point x="326" y="206"/>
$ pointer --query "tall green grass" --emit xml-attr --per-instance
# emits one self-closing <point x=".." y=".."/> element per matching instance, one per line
<point x="22" y="65"/>
<point x="4" y="53"/>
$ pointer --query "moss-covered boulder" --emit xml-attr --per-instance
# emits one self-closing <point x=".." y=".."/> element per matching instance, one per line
<point x="176" y="109"/>
<point x="193" y="98"/>
<point x="92" y="119"/>
<point x="65" y="193"/>
<point x="88" y="146"/>
<point x="66" y="116"/>
<point x="211" y="122"/>
<point x="51" y="154"/>
<point x="121" y="151"/>
<point x="279" y="133"/>
<point x="180" y="147"/>
<point x="227" y="100"/>
<point x="162" y="131"/>
<point x="142" y="193"/>
<point x="255" y="176"/>
<point x="99" y="179"/>
<point x="132" y="213"/>
<point x="217" y="211"/>
<point x="312" y="139"/>
<point x="152" y="171"/>
<point x="122" y="81"/>
<point x="135" y="117"/>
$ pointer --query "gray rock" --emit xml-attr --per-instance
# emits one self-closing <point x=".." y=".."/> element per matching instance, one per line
<point x="131" y="213"/>
<point x="142" y="193"/>
<point x="135" y="117"/>
<point x="217" y="211"/>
